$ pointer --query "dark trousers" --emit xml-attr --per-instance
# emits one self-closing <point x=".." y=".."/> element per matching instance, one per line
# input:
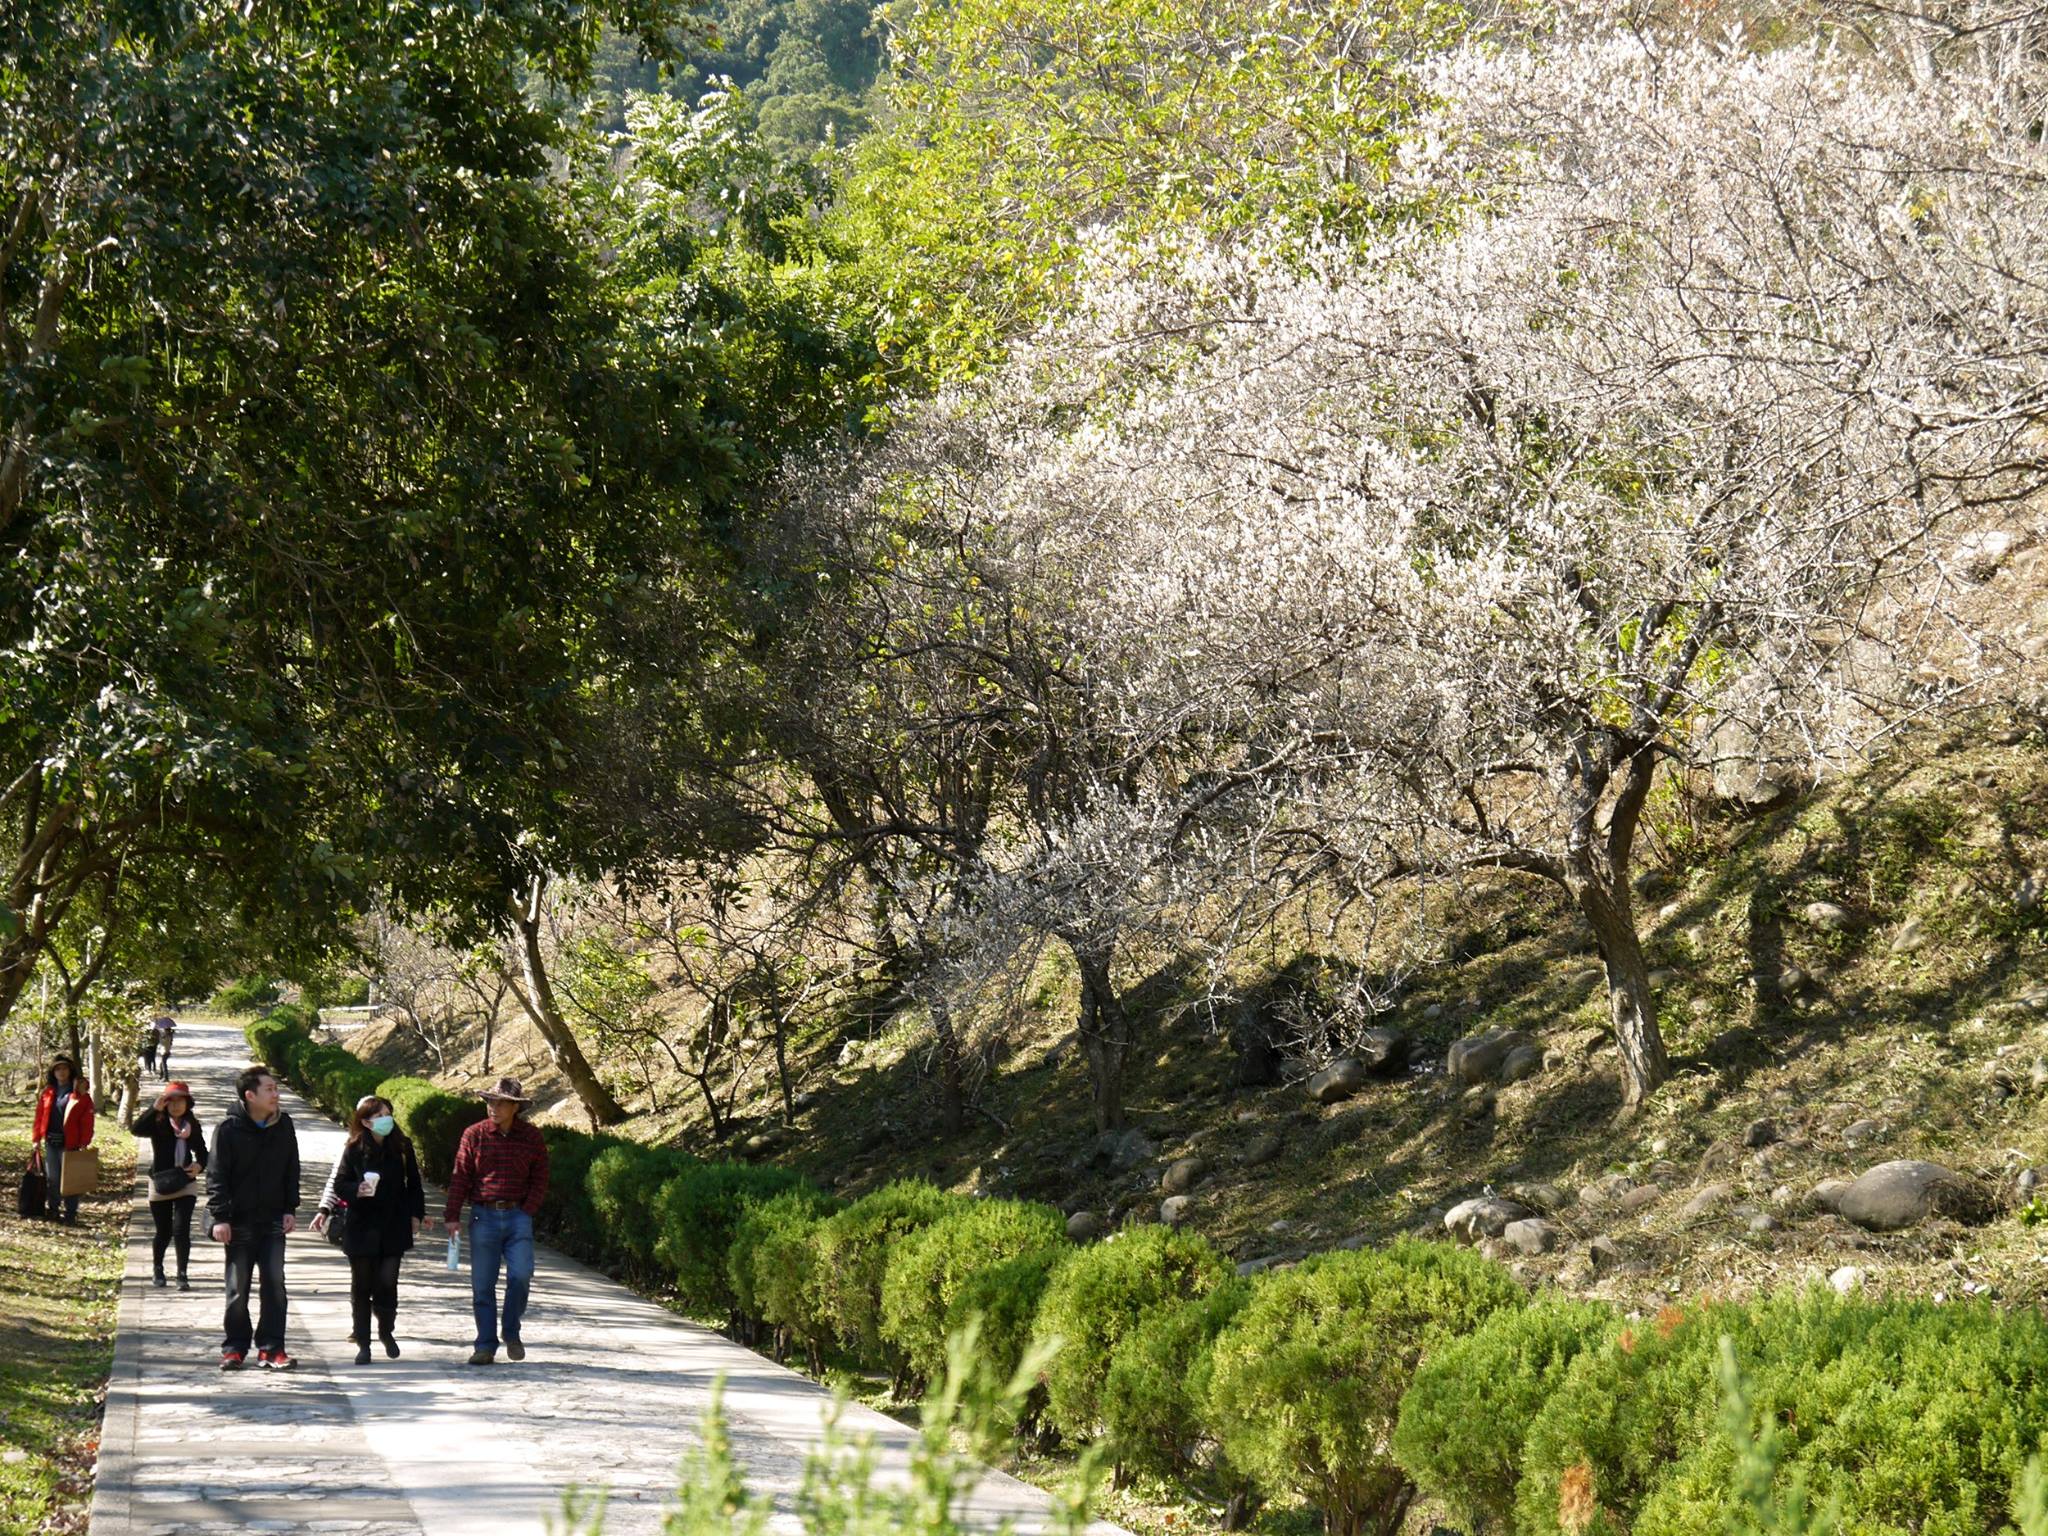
<point x="173" y="1220"/>
<point x="255" y="1251"/>
<point x="163" y="1062"/>
<point x="373" y="1290"/>
<point x="65" y="1206"/>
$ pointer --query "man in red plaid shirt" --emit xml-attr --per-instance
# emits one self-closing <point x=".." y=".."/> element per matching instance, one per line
<point x="501" y="1169"/>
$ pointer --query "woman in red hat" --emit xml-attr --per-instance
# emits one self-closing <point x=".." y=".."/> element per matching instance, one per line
<point x="179" y="1157"/>
<point x="63" y="1124"/>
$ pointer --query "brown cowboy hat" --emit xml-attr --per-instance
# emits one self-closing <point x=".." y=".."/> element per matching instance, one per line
<point x="507" y="1088"/>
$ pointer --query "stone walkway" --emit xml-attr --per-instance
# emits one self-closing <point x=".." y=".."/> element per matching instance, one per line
<point x="610" y="1395"/>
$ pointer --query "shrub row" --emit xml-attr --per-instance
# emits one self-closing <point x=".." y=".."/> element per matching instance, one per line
<point x="334" y="1079"/>
<point x="1353" y="1382"/>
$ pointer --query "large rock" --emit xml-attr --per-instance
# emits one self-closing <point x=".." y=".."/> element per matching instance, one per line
<point x="1706" y="1200"/>
<point x="1338" y="1081"/>
<point x="1263" y="1149"/>
<point x="1383" y="1051"/>
<point x="1827" y="1194"/>
<point x="1183" y="1174"/>
<point x="1478" y="1058"/>
<point x="1176" y="1211"/>
<point x="1905" y="1192"/>
<point x="1826" y="915"/>
<point x="1084" y="1227"/>
<point x="1486" y="1216"/>
<point x="1640" y="1198"/>
<point x="1532" y="1235"/>
<point x="1523" y="1061"/>
<point x="1126" y="1149"/>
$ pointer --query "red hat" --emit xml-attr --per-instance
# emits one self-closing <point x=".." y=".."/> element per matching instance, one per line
<point x="174" y="1089"/>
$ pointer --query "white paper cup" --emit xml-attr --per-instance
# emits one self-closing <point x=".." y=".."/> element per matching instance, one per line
<point x="370" y="1180"/>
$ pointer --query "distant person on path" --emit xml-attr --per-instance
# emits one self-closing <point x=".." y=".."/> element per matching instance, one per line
<point x="252" y="1191"/>
<point x="166" y="1029"/>
<point x="501" y="1167"/>
<point x="177" y="1158"/>
<point x="377" y="1179"/>
<point x="63" y="1124"/>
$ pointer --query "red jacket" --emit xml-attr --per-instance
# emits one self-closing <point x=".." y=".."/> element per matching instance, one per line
<point x="77" y="1118"/>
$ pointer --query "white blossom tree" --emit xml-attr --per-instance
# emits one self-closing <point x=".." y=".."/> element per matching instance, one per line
<point x="1446" y="547"/>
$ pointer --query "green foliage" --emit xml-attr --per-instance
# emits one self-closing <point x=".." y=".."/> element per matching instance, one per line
<point x="1158" y="1379"/>
<point x="623" y="1184"/>
<point x="1307" y="1380"/>
<point x="1016" y="128"/>
<point x="1103" y="1292"/>
<point x="696" y="1215"/>
<point x="1464" y="1419"/>
<point x="365" y="427"/>
<point x="1759" y="1510"/>
<point x="1907" y="1416"/>
<point x="808" y="67"/>
<point x="433" y="1120"/>
<point x="244" y="997"/>
<point x="568" y="1215"/>
<point x="770" y="1262"/>
<point x="1004" y="1300"/>
<point x="274" y="1042"/>
<point x="929" y="1270"/>
<point x="853" y="1256"/>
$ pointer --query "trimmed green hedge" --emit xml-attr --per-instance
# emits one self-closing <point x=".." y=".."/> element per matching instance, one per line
<point x="1307" y="1380"/>
<point x="696" y="1215"/>
<point x="1103" y="1293"/>
<point x="1349" y="1381"/>
<point x="433" y="1119"/>
<point x="929" y="1270"/>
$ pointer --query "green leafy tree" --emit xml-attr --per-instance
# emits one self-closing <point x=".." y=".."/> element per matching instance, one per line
<point x="1017" y="128"/>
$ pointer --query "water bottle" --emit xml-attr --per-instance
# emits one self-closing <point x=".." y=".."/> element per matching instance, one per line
<point x="455" y="1250"/>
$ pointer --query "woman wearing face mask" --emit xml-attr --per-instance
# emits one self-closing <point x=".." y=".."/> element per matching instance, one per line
<point x="178" y="1157"/>
<point x="377" y="1177"/>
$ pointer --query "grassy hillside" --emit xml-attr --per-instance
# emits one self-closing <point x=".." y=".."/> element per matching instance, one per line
<point x="1918" y="1029"/>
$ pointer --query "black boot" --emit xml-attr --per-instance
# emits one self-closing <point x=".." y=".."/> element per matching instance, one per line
<point x="362" y="1354"/>
<point x="157" y="1279"/>
<point x="183" y="1283"/>
<point x="390" y="1344"/>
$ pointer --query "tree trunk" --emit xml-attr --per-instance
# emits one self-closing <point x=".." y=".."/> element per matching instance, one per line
<point x="1631" y="1008"/>
<point x="1106" y="1036"/>
<point x="490" y="1029"/>
<point x="952" y="1071"/>
<point x="538" y="999"/>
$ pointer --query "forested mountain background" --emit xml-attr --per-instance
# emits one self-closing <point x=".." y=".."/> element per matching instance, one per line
<point x="807" y="66"/>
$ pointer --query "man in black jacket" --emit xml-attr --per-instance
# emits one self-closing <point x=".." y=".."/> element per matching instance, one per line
<point x="252" y="1190"/>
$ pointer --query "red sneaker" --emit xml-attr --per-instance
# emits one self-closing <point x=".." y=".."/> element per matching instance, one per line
<point x="231" y="1359"/>
<point x="274" y="1360"/>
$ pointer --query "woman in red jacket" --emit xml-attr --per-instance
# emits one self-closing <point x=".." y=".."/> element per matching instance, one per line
<point x="63" y="1124"/>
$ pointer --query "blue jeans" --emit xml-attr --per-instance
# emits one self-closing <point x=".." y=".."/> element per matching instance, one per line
<point x="53" y="1169"/>
<point x="499" y="1237"/>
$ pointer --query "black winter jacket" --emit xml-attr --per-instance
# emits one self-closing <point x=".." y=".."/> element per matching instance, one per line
<point x="155" y="1126"/>
<point x="252" y="1178"/>
<point x="381" y="1224"/>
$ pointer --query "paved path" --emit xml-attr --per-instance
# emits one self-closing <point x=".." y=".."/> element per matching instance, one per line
<point x="611" y="1395"/>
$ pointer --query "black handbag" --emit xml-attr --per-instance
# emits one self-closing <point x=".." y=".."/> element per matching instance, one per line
<point x="35" y="1191"/>
<point x="173" y="1181"/>
<point x="337" y="1223"/>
